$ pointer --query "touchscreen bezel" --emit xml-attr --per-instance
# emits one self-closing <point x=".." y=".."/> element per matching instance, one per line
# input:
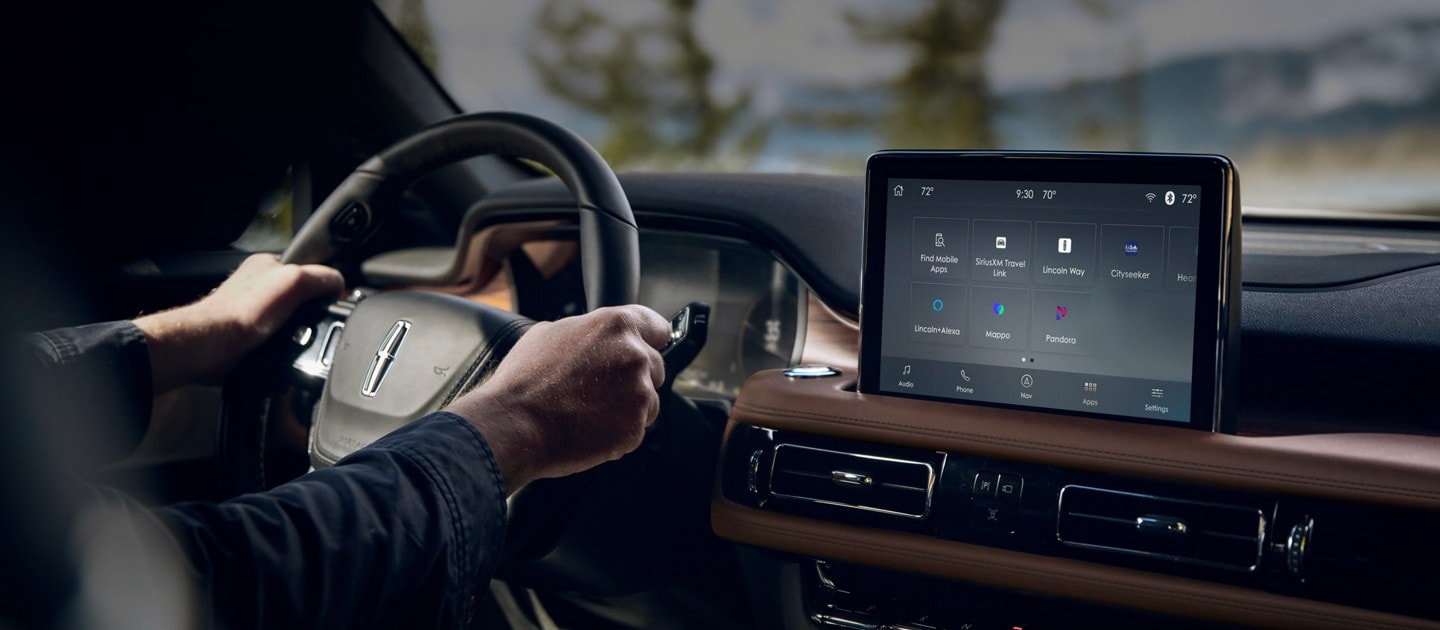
<point x="1215" y="340"/>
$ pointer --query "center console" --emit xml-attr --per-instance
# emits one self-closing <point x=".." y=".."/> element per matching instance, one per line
<point x="1041" y="432"/>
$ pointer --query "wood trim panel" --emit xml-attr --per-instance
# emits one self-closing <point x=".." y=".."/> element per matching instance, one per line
<point x="1378" y="469"/>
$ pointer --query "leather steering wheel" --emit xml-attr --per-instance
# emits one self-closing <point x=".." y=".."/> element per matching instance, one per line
<point x="403" y="354"/>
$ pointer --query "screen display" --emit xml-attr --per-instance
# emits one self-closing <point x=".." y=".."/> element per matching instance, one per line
<point x="1076" y="296"/>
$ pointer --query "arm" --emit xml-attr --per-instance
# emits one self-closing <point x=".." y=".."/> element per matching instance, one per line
<point x="407" y="531"/>
<point x="573" y="394"/>
<point x="98" y="380"/>
<point x="403" y="533"/>
<point x="203" y="341"/>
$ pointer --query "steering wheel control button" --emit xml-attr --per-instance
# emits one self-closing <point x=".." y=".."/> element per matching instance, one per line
<point x="689" y="328"/>
<point x="332" y="341"/>
<point x="351" y="223"/>
<point x="303" y="336"/>
<point x="384" y="358"/>
<point x="316" y="358"/>
<point x="811" y="371"/>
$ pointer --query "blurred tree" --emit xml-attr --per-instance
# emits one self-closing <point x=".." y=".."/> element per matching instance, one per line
<point x="409" y="18"/>
<point x="941" y="99"/>
<point x="649" y="80"/>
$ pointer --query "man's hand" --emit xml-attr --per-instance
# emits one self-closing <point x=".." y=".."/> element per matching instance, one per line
<point x="572" y="394"/>
<point x="202" y="342"/>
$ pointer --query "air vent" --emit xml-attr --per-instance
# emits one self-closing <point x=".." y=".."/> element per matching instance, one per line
<point x="1192" y="532"/>
<point x="864" y="482"/>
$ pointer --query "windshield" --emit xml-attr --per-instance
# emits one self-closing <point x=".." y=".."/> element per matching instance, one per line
<point x="1322" y="105"/>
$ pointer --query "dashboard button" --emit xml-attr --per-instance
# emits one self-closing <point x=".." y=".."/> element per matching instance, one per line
<point x="999" y="317"/>
<point x="1132" y="257"/>
<point x="941" y="249"/>
<point x="1009" y="487"/>
<point x="984" y="487"/>
<point x="992" y="517"/>
<point x="1000" y="251"/>
<point x="1065" y="254"/>
<point x="1060" y="322"/>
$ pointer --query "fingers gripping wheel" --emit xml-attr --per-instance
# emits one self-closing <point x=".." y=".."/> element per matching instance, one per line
<point x="403" y="354"/>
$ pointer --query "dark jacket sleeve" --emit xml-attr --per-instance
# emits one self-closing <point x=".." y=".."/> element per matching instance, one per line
<point x="95" y="382"/>
<point x="403" y="533"/>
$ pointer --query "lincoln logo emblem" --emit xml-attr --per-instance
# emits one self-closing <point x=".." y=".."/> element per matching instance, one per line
<point x="384" y="358"/>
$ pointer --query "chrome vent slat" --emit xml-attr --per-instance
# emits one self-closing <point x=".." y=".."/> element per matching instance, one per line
<point x="1209" y="534"/>
<point x="896" y="487"/>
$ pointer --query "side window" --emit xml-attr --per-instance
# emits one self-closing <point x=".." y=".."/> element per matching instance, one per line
<point x="273" y="224"/>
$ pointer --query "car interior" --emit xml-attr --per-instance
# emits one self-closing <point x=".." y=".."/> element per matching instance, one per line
<point x="1289" y="477"/>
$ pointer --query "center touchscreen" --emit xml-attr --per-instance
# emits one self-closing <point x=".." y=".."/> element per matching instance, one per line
<point x="1087" y="283"/>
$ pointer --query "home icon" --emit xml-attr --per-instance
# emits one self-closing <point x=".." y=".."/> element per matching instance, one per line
<point x="899" y="190"/>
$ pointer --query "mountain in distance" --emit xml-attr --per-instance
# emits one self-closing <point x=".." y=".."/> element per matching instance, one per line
<point x="1366" y="82"/>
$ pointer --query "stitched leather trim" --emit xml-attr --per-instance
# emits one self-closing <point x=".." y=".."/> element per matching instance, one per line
<point x="1358" y="467"/>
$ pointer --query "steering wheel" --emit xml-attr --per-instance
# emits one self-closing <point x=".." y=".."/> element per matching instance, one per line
<point x="401" y="354"/>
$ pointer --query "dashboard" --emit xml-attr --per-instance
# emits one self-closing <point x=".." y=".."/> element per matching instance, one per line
<point x="758" y="306"/>
<point x="1051" y="513"/>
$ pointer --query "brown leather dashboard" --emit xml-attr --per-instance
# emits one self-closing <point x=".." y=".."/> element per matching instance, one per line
<point x="1375" y="469"/>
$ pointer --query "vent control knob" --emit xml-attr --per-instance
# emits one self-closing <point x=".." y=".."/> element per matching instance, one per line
<point x="1297" y="544"/>
<point x="1161" y="525"/>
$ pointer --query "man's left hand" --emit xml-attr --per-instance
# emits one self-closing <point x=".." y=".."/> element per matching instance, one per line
<point x="202" y="342"/>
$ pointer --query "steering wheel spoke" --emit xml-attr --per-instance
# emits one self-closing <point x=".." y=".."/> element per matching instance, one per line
<point x="402" y="355"/>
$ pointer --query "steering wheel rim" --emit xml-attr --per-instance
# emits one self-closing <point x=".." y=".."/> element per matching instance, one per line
<point x="359" y="207"/>
<point x="609" y="238"/>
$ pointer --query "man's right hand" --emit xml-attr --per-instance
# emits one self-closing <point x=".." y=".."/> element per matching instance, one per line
<point x="572" y="394"/>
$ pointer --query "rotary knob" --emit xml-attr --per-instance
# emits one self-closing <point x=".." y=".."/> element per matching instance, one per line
<point x="1296" y="546"/>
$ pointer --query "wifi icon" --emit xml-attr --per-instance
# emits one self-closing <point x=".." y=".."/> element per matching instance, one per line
<point x="1149" y="196"/>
